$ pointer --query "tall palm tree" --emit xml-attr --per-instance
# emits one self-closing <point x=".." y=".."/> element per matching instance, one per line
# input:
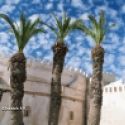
<point x="97" y="32"/>
<point x="23" y="32"/>
<point x="63" y="27"/>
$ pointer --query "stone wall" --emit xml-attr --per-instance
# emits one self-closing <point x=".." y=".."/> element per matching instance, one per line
<point x="73" y="108"/>
<point x="37" y="95"/>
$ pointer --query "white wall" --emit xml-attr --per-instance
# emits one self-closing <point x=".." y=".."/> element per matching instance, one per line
<point x="113" y="109"/>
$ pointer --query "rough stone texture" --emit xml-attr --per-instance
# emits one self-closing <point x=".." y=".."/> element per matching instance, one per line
<point x="37" y="95"/>
<point x="17" y="79"/>
<point x="95" y="91"/>
<point x="59" y="53"/>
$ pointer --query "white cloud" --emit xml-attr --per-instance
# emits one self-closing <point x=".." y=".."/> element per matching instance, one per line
<point x="111" y="12"/>
<point x="121" y="60"/>
<point x="123" y="74"/>
<point x="4" y="37"/>
<point x="34" y="16"/>
<point x="5" y="51"/>
<point x="88" y="67"/>
<point x="35" y="1"/>
<point x="9" y="2"/>
<point x="82" y="54"/>
<point x="113" y="68"/>
<point x="123" y="8"/>
<point x="90" y="41"/>
<point x="84" y="16"/>
<point x="122" y="49"/>
<point x="49" y="6"/>
<point x="74" y="61"/>
<point x="7" y="8"/>
<point x="46" y="17"/>
<point x="113" y="40"/>
<point x="123" y="41"/>
<point x="77" y="3"/>
<point x="42" y="39"/>
<point x="109" y="59"/>
<point x="60" y="6"/>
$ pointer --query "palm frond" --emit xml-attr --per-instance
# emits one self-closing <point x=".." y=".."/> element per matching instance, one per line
<point x="51" y="28"/>
<point x="75" y="24"/>
<point x="64" y="17"/>
<point x="94" y="23"/>
<point x="31" y="34"/>
<point x="25" y="30"/>
<point x="10" y="22"/>
<point x="31" y="29"/>
<point x="64" y="26"/>
<point x="102" y="19"/>
<point x="17" y="28"/>
<point x="59" y="25"/>
<point x="96" y="30"/>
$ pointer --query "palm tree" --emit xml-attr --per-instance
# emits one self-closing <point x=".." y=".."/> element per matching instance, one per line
<point x="97" y="32"/>
<point x="63" y="27"/>
<point x="23" y="32"/>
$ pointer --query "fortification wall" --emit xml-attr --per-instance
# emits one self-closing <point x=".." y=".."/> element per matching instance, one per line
<point x="37" y="94"/>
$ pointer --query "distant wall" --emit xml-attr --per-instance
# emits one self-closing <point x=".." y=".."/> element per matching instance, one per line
<point x="113" y="109"/>
<point x="114" y="89"/>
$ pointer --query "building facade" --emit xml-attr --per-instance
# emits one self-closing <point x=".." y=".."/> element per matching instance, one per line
<point x="37" y="95"/>
<point x="113" y="110"/>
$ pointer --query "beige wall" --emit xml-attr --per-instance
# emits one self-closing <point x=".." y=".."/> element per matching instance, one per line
<point x="37" y="91"/>
<point x="39" y="110"/>
<point x="37" y="95"/>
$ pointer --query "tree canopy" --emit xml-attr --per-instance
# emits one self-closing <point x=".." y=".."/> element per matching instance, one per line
<point x="63" y="26"/>
<point x="24" y="30"/>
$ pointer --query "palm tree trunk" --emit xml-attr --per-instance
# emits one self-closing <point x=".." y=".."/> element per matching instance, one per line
<point x="95" y="86"/>
<point x="86" y="102"/>
<point x="17" y="79"/>
<point x="59" y="51"/>
<point x="1" y="94"/>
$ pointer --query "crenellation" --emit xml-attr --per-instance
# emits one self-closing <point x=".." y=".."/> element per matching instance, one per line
<point x="114" y="89"/>
<point x="80" y="71"/>
<point x="83" y="73"/>
<point x="70" y="69"/>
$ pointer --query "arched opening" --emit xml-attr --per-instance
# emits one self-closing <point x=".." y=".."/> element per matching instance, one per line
<point x="71" y="115"/>
<point x="27" y="111"/>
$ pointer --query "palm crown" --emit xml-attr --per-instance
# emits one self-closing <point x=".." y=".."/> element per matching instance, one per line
<point x="24" y="30"/>
<point x="63" y="26"/>
<point x="96" y="29"/>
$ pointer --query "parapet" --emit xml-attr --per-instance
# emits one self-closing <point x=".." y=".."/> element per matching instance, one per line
<point x="41" y="71"/>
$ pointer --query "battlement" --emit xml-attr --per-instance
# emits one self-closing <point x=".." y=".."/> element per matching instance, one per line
<point x="114" y="89"/>
<point x="37" y="64"/>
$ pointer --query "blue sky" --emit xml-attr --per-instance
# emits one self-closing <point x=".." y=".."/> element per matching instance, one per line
<point x="79" y="55"/>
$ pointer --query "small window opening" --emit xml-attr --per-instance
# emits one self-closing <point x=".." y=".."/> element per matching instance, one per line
<point x="115" y="89"/>
<point x="110" y="89"/>
<point x="120" y="89"/>
<point x="27" y="111"/>
<point x="71" y="115"/>
<point x="106" y="89"/>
